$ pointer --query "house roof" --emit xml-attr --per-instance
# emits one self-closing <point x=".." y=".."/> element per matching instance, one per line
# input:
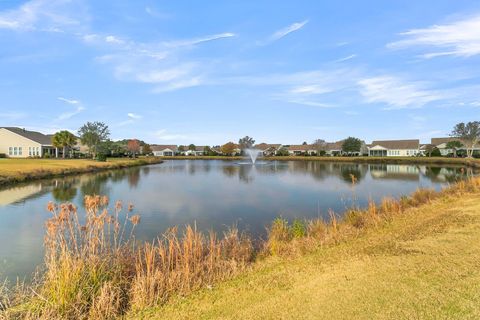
<point x="31" y="135"/>
<point x="397" y="144"/>
<point x="439" y="141"/>
<point x="162" y="147"/>
<point x="265" y="146"/>
<point x="300" y="147"/>
<point x="331" y="146"/>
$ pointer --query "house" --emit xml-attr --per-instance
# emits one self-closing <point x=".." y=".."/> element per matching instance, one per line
<point x="334" y="148"/>
<point x="301" y="149"/>
<point x="163" y="150"/>
<point x="441" y="144"/>
<point x="268" y="149"/>
<point x="394" y="148"/>
<point x="199" y="151"/>
<point x="20" y="143"/>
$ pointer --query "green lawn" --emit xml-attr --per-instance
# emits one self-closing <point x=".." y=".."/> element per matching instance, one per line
<point x="422" y="265"/>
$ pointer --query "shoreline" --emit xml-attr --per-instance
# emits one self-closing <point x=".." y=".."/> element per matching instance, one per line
<point x="473" y="163"/>
<point x="94" y="166"/>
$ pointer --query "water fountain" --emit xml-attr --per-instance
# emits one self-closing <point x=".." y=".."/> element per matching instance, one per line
<point x="253" y="154"/>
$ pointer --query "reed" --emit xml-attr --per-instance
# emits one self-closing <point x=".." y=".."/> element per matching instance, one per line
<point x="94" y="268"/>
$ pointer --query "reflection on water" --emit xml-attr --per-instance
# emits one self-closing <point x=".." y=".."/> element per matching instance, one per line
<point x="212" y="194"/>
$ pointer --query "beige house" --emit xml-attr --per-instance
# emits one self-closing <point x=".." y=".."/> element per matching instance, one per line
<point x="21" y="143"/>
<point x="394" y="148"/>
<point x="301" y="149"/>
<point x="268" y="149"/>
<point x="441" y="144"/>
<point x="163" y="150"/>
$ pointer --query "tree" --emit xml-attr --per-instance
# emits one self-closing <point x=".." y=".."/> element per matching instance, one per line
<point x="191" y="147"/>
<point x="454" y="145"/>
<point x="352" y="145"/>
<point x="181" y="148"/>
<point x="469" y="133"/>
<point x="320" y="146"/>
<point x="304" y="143"/>
<point x="282" y="152"/>
<point x="246" y="142"/>
<point x="432" y="151"/>
<point x="133" y="146"/>
<point x="207" y="151"/>
<point x="92" y="134"/>
<point x="64" y="139"/>
<point x="228" y="148"/>
<point x="147" y="149"/>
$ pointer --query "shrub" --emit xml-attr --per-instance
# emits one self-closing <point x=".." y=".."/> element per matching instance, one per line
<point x="102" y="157"/>
<point x="3" y="155"/>
<point x="298" y="229"/>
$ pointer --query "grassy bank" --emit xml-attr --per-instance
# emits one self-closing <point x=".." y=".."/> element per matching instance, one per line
<point x="475" y="163"/>
<point x="388" y="160"/>
<point x="419" y="263"/>
<point x="415" y="257"/>
<point x="21" y="170"/>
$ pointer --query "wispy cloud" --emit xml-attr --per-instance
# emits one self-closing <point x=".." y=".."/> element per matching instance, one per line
<point x="69" y="101"/>
<point x="134" y="116"/>
<point x="397" y="93"/>
<point x="195" y="41"/>
<point x="346" y="58"/>
<point x="459" y="38"/>
<point x="287" y="30"/>
<point x="69" y="114"/>
<point x="44" y="15"/>
<point x="312" y="103"/>
<point x="131" y="118"/>
<point x="164" y="65"/>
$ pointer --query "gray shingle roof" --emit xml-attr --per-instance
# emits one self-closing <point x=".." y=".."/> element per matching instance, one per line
<point x="398" y="144"/>
<point x="32" y="135"/>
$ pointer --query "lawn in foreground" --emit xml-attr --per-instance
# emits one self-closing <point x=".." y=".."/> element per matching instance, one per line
<point x="422" y="265"/>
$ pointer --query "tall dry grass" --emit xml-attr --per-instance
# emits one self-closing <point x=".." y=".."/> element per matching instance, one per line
<point x="94" y="268"/>
<point x="354" y="221"/>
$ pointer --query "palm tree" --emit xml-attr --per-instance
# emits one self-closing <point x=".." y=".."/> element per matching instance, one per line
<point x="64" y="139"/>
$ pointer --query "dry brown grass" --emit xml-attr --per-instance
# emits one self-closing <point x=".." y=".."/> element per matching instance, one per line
<point x="19" y="170"/>
<point x="94" y="269"/>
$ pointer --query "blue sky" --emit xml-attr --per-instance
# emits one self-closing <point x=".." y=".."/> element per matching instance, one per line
<point x="206" y="72"/>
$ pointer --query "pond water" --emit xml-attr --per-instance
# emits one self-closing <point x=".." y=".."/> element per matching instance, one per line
<point x="213" y="194"/>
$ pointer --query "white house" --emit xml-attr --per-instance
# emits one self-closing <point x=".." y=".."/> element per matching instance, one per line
<point x="301" y="149"/>
<point x="163" y="150"/>
<point x="394" y="148"/>
<point x="20" y="143"/>
<point x="441" y="144"/>
<point x="268" y="149"/>
<point x="199" y="151"/>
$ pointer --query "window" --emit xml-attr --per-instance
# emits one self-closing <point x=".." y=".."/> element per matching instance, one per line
<point x="10" y="151"/>
<point x="15" y="151"/>
<point x="38" y="151"/>
<point x="20" y="151"/>
<point x="29" y="151"/>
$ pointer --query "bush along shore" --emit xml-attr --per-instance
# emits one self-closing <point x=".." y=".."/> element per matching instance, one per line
<point x="26" y="170"/>
<point x="469" y="162"/>
<point x="94" y="268"/>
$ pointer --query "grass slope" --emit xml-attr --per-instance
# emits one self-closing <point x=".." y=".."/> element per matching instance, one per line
<point x="17" y="170"/>
<point x="421" y="265"/>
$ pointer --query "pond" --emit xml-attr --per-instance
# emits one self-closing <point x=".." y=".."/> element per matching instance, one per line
<point x="213" y="194"/>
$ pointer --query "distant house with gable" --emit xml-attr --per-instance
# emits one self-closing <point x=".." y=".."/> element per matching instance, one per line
<point x="268" y="149"/>
<point x="394" y="148"/>
<point x="163" y="150"/>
